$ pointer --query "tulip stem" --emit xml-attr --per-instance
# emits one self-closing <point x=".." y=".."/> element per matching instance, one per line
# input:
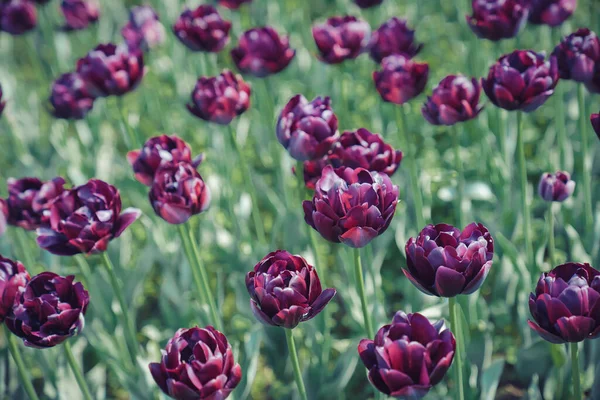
<point x="133" y="142"/>
<point x="524" y="202"/>
<point x="22" y="370"/>
<point x="587" y="190"/>
<point x="77" y="371"/>
<point x="460" y="183"/>
<point x="457" y="330"/>
<point x="25" y="250"/>
<point x="559" y="109"/>
<point x="289" y="336"/>
<point x="360" y="283"/>
<point x="575" y="371"/>
<point x="551" y="246"/>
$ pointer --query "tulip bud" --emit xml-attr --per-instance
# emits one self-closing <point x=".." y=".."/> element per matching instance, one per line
<point x="556" y="187"/>
<point x="144" y="30"/>
<point x="262" y="52"/>
<point x="50" y="310"/>
<point x="367" y="3"/>
<point x="393" y="37"/>
<point x="409" y="356"/>
<point x="551" y="12"/>
<point x="285" y="290"/>
<point x="70" y="97"/>
<point x="401" y="79"/>
<point x="445" y="262"/>
<point x="197" y="364"/>
<point x="498" y="19"/>
<point x="233" y="4"/>
<point x="221" y="98"/>
<point x="2" y="102"/>
<point x="577" y="55"/>
<point x="13" y="279"/>
<point x="79" y="14"/>
<point x="17" y="16"/>
<point x="202" y="29"/>
<point x="566" y="304"/>
<point x="522" y="80"/>
<point x="455" y="99"/>
<point x="341" y="38"/>
<point x="595" y="120"/>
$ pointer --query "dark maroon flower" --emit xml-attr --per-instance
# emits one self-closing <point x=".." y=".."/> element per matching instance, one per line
<point x="262" y="52"/>
<point x="197" y="364"/>
<point x="2" y="101"/>
<point x="401" y="79"/>
<point x="551" y="12"/>
<point x="143" y="30"/>
<point x="29" y="199"/>
<point x="312" y="170"/>
<point x="233" y="4"/>
<point x="341" y="38"/>
<point x="178" y="192"/>
<point x="50" y="310"/>
<point x="577" y="54"/>
<point x="595" y="120"/>
<point x="352" y="206"/>
<point x="111" y="69"/>
<point x="443" y="261"/>
<point x="285" y="290"/>
<point x="17" y="16"/>
<point x="393" y="37"/>
<point x="565" y="305"/>
<point x="367" y="3"/>
<point x="70" y="97"/>
<point x="157" y="151"/>
<point x="220" y="98"/>
<point x="522" y="80"/>
<point x="498" y="19"/>
<point x="202" y="29"/>
<point x="79" y="14"/>
<point x="84" y="219"/>
<point x="556" y="187"/>
<point x="455" y="99"/>
<point x="307" y="129"/>
<point x="13" y="279"/>
<point x="409" y="356"/>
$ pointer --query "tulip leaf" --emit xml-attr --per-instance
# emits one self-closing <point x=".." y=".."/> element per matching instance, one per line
<point x="490" y="378"/>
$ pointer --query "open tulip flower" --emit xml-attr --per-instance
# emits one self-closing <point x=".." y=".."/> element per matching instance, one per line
<point x="202" y="29"/>
<point x="556" y="187"/>
<point x="79" y="14"/>
<point x="341" y="38"/>
<point x="498" y="19"/>
<point x="455" y="99"/>
<point x="233" y="4"/>
<point x="577" y="54"/>
<point x="409" y="356"/>
<point x="551" y="12"/>
<point x="13" y="279"/>
<point x="393" y="37"/>
<point x="262" y="52"/>
<point x="71" y="97"/>
<point x="595" y="120"/>
<point x="144" y="30"/>
<point x="17" y="16"/>
<point x="401" y="79"/>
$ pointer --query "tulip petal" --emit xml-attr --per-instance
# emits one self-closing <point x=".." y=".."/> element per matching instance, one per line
<point x="418" y="284"/>
<point x="575" y="328"/>
<point x="448" y="282"/>
<point x="320" y="303"/>
<point x="261" y="316"/>
<point x="545" y="334"/>
<point x="358" y="237"/>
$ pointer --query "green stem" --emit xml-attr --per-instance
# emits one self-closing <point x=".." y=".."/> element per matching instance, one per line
<point x="25" y="250"/>
<point x="289" y="336"/>
<point x="524" y="203"/>
<point x="551" y="246"/>
<point x="559" y="109"/>
<point x="76" y="371"/>
<point x="360" y="283"/>
<point x="587" y="190"/>
<point x="460" y="183"/>
<point x="131" y="136"/>
<point x="575" y="371"/>
<point x="457" y="330"/>
<point x="22" y="370"/>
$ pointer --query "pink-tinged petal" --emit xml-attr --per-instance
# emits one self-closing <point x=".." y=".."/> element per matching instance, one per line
<point x="358" y="237"/>
<point x="127" y="217"/>
<point x="575" y="328"/>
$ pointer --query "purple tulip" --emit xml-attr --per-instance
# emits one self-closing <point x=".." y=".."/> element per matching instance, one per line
<point x="443" y="261"/>
<point x="178" y="192"/>
<point x="70" y="97"/>
<point x="401" y="79"/>
<point x="221" y="98"/>
<point x="522" y="80"/>
<point x="50" y="310"/>
<point x="2" y="102"/>
<point x="29" y="200"/>
<point x="157" y="151"/>
<point x="17" y="16"/>
<point x="262" y="52"/>
<point x="84" y="219"/>
<point x="233" y="4"/>
<point x="595" y="120"/>
<point x="13" y="279"/>
<point x="551" y="12"/>
<point x="352" y="206"/>
<point x="565" y="305"/>
<point x="593" y="85"/>
<point x="312" y="170"/>
<point x="197" y="364"/>
<point x="202" y="29"/>
<point x="455" y="99"/>
<point x="79" y="14"/>
<point x="556" y="187"/>
<point x="341" y="38"/>
<point x="307" y="129"/>
<point x="367" y="3"/>
<point x="111" y="69"/>
<point x="409" y="356"/>
<point x="285" y="290"/>
<point x="393" y="37"/>
<point x="577" y="54"/>
<point x="143" y="30"/>
<point x="498" y="19"/>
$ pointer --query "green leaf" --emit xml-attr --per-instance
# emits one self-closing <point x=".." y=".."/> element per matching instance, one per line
<point x="490" y="378"/>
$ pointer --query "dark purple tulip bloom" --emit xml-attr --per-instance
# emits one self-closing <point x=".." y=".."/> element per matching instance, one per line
<point x="2" y="102"/>
<point x="111" y="69"/>
<point x="443" y="261"/>
<point x="17" y="16"/>
<point x="401" y="79"/>
<point x="178" y="192"/>
<point x="551" y="12"/>
<point x="352" y="206"/>
<point x="455" y="99"/>
<point x="593" y="86"/>
<point x="29" y="199"/>
<point x="393" y="37"/>
<point x="84" y="219"/>
<point x="79" y="14"/>
<point x="367" y="3"/>
<point x="221" y="98"/>
<point x="262" y="52"/>
<point x="144" y="30"/>
<point x="312" y="170"/>
<point x="202" y="29"/>
<point x="341" y="38"/>
<point x="556" y="187"/>
<point x="233" y="4"/>
<point x="595" y="120"/>
<point x="197" y="364"/>
<point x="522" y="80"/>
<point x="409" y="356"/>
<point x="285" y="290"/>
<point x="307" y="129"/>
<point x="13" y="279"/>
<point x="577" y="55"/>
<point x="565" y="305"/>
<point x="50" y="310"/>
<point x="498" y="19"/>
<point x="70" y="97"/>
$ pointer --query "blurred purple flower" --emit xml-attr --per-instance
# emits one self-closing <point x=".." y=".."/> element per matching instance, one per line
<point x="2" y="101"/>
<point x="17" y="16"/>
<point x="556" y="187"/>
<point x="312" y="170"/>
<point x="498" y="19"/>
<point x="233" y="4"/>
<point x="367" y="3"/>
<point x="143" y="30"/>
<point x="79" y="14"/>
<point x="13" y="279"/>
<point x="551" y="12"/>
<point x="577" y="54"/>
<point x="401" y="79"/>
<point x="595" y="120"/>
<point x="202" y="29"/>
<point x="70" y="97"/>
<point x="455" y="99"/>
<point x="341" y="38"/>
<point x="262" y="52"/>
<point x="393" y="37"/>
